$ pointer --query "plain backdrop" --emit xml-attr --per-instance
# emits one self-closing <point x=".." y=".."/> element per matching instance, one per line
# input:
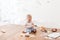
<point x="46" y="12"/>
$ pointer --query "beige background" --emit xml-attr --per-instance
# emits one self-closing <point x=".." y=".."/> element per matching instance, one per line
<point x="46" y="12"/>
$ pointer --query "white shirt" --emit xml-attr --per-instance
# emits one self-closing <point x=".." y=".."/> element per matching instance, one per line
<point x="28" y="25"/>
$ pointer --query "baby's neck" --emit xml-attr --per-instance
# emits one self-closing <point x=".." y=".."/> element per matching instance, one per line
<point x="29" y="21"/>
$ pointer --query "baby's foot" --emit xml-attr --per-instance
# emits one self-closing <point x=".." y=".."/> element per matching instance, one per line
<point x="27" y="35"/>
<point x="23" y="32"/>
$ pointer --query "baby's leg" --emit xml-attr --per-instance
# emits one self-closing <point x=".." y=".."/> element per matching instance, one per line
<point x="33" y="30"/>
<point x="28" y="30"/>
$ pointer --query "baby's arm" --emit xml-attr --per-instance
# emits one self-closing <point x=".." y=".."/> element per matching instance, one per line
<point x="33" y="25"/>
<point x="25" y="25"/>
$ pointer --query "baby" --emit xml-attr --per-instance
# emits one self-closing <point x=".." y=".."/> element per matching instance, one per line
<point x="29" y="25"/>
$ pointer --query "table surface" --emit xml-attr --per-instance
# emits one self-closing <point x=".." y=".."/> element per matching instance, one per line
<point x="39" y="36"/>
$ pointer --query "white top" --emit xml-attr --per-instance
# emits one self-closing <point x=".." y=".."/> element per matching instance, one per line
<point x="28" y="25"/>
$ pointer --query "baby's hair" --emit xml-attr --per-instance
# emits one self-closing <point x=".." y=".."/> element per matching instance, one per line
<point x="29" y="15"/>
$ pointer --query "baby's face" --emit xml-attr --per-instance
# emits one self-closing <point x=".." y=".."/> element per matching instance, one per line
<point x="29" y="18"/>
